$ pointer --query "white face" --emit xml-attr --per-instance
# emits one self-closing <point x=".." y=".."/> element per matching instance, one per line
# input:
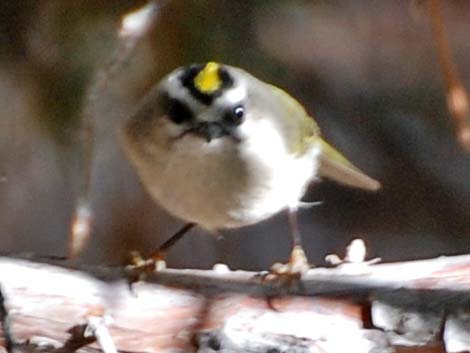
<point x="208" y="116"/>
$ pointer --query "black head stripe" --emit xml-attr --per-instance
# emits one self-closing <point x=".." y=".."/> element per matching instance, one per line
<point x="190" y="73"/>
<point x="227" y="79"/>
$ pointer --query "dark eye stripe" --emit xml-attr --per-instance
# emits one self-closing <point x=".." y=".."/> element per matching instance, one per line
<point x="178" y="112"/>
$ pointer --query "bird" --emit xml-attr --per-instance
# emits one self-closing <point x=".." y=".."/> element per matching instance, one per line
<point x="218" y="148"/>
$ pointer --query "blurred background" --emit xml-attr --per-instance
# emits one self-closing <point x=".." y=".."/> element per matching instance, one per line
<point x="367" y="70"/>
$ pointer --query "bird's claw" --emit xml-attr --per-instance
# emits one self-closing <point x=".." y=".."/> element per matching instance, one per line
<point x="286" y="277"/>
<point x="297" y="265"/>
<point x="289" y="274"/>
<point x="140" y="267"/>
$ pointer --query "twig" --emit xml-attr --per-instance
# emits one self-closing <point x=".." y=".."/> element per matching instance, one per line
<point x="446" y="279"/>
<point x="97" y="328"/>
<point x="77" y="340"/>
<point x="457" y="96"/>
<point x="5" y="320"/>
<point x="134" y="26"/>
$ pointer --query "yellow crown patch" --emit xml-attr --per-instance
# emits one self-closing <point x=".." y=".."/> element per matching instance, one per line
<point x="208" y="79"/>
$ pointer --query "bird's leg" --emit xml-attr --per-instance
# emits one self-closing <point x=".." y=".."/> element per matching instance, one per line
<point x="158" y="256"/>
<point x="160" y="253"/>
<point x="288" y="275"/>
<point x="298" y="262"/>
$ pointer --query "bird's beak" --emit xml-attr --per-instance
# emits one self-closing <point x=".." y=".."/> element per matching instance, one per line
<point x="209" y="130"/>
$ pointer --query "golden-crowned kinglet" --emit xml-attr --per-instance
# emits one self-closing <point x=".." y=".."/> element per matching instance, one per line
<point x="219" y="148"/>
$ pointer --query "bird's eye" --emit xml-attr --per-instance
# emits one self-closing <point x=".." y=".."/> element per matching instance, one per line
<point x="235" y="116"/>
<point x="179" y="112"/>
<point x="239" y="112"/>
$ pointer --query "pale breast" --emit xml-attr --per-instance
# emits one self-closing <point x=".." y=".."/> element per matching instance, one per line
<point x="223" y="184"/>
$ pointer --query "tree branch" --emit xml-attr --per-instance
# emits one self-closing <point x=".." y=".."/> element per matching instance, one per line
<point x="457" y="96"/>
<point x="411" y="303"/>
<point x="134" y="27"/>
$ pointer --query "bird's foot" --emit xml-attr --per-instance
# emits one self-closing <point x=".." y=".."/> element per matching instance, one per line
<point x="286" y="277"/>
<point x="291" y="272"/>
<point x="297" y="264"/>
<point x="140" y="267"/>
